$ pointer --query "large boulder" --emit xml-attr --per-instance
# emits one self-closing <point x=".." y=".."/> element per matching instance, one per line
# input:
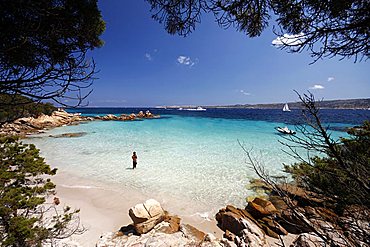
<point x="229" y="218"/>
<point x="146" y="215"/>
<point x="260" y="208"/>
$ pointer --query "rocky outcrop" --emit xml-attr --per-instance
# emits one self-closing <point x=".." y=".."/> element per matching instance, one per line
<point x="123" y="117"/>
<point x="30" y="125"/>
<point x="240" y="226"/>
<point x="249" y="227"/>
<point x="24" y="126"/>
<point x="168" y="231"/>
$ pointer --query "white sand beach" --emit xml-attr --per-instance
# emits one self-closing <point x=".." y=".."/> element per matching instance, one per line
<point x="106" y="210"/>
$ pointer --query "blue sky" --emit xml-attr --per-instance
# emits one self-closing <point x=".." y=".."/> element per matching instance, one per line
<point x="141" y="65"/>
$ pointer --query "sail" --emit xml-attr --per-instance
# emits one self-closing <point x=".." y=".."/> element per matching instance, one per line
<point x="286" y="107"/>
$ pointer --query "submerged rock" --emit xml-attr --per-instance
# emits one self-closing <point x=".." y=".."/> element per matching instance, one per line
<point x="67" y="135"/>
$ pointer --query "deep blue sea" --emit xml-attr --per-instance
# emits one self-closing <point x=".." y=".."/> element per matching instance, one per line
<point x="191" y="156"/>
<point x="350" y="117"/>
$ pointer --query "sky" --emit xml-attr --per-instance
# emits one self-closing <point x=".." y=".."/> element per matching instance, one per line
<point x="141" y="64"/>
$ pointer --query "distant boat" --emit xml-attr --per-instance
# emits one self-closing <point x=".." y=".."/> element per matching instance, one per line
<point x="286" y="107"/>
<point x="199" y="108"/>
<point x="180" y="109"/>
<point x="285" y="130"/>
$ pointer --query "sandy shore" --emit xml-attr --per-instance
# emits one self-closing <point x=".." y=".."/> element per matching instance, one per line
<point x="105" y="209"/>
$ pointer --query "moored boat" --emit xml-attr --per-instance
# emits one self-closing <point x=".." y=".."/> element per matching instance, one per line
<point x="285" y="130"/>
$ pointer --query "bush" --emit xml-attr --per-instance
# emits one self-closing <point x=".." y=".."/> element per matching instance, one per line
<point x="25" y="218"/>
<point x="333" y="175"/>
<point x="16" y="106"/>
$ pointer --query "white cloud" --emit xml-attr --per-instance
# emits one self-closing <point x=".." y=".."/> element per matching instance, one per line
<point x="317" y="86"/>
<point x="331" y="78"/>
<point x="289" y="40"/>
<point x="245" y="93"/>
<point x="148" y="56"/>
<point x="186" y="61"/>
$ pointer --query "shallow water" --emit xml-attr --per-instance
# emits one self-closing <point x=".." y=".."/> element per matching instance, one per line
<point x="184" y="156"/>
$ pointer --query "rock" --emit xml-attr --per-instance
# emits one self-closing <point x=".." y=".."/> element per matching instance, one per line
<point x="109" y="117"/>
<point x="229" y="218"/>
<point x="303" y="197"/>
<point x="251" y="235"/>
<point x="129" y="229"/>
<point x="146" y="215"/>
<point x="272" y="228"/>
<point x="65" y="135"/>
<point x="150" y="239"/>
<point x="154" y="208"/>
<point x="172" y="226"/>
<point x="192" y="233"/>
<point x="227" y="243"/>
<point x="321" y="213"/>
<point x="259" y="208"/>
<point x="292" y="223"/>
<point x="236" y="212"/>
<point x="231" y="222"/>
<point x="308" y="240"/>
<point x="132" y="116"/>
<point x="29" y="125"/>
<point x="210" y="237"/>
<point x="279" y="203"/>
<point x="139" y="214"/>
<point x="140" y="114"/>
<point x="312" y="240"/>
<point x="240" y="223"/>
<point x="229" y="235"/>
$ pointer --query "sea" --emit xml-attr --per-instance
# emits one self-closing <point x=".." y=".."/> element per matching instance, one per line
<point x="197" y="157"/>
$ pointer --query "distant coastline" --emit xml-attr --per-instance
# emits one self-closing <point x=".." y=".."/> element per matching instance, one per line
<point x="327" y="104"/>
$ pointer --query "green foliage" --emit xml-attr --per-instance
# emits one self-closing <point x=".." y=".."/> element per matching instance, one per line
<point x="24" y="186"/>
<point x="13" y="107"/>
<point x="45" y="32"/>
<point x="44" y="46"/>
<point x="326" y="28"/>
<point x="327" y="176"/>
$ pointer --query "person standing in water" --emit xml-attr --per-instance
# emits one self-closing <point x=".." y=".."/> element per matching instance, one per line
<point x="134" y="160"/>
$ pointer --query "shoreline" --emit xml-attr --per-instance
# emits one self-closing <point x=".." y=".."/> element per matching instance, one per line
<point x="105" y="209"/>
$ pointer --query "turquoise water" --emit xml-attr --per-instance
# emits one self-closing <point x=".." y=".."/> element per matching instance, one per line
<point x="195" y="159"/>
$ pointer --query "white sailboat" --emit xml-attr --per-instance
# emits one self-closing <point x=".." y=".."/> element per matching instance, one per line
<point x="286" y="107"/>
